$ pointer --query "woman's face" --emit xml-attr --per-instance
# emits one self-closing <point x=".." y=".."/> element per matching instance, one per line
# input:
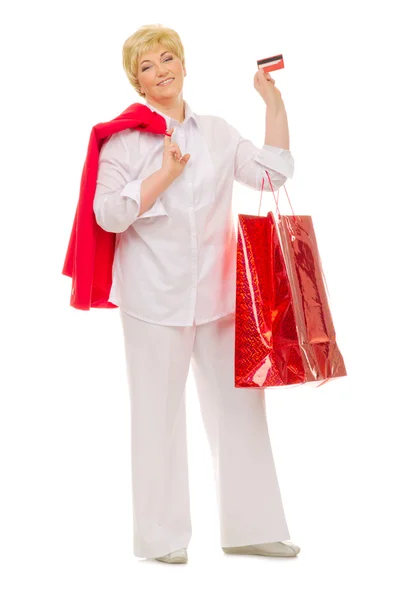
<point x="156" y="66"/>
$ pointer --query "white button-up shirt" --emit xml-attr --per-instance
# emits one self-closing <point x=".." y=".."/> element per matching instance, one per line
<point x="175" y="264"/>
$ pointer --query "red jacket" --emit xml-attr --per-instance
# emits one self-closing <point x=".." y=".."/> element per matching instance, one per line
<point x="89" y="257"/>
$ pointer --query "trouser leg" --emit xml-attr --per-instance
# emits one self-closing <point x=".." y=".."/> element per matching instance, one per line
<point x="248" y="494"/>
<point x="157" y="362"/>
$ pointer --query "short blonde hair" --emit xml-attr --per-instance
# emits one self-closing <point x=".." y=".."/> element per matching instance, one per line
<point x="143" y="40"/>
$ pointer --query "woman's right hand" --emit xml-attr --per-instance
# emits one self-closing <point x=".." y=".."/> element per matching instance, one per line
<point x="173" y="161"/>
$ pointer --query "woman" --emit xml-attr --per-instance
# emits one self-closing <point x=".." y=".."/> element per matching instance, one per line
<point x="170" y="202"/>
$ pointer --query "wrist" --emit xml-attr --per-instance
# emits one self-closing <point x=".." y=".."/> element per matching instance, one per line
<point x="275" y="108"/>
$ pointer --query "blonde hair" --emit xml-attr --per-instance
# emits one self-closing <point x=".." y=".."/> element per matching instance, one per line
<point x="143" y="40"/>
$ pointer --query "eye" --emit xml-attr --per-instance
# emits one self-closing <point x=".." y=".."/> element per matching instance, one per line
<point x="146" y="68"/>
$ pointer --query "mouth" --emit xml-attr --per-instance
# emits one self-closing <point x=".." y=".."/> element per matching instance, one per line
<point x="166" y="82"/>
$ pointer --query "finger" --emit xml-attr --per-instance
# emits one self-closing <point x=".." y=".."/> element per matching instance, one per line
<point x="260" y="75"/>
<point x="265" y="75"/>
<point x="184" y="158"/>
<point x="175" y="151"/>
<point x="167" y="138"/>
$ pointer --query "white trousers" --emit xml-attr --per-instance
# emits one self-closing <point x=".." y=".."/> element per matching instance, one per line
<point x="248" y="495"/>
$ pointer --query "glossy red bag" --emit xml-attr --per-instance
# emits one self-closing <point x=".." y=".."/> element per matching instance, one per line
<point x="284" y="331"/>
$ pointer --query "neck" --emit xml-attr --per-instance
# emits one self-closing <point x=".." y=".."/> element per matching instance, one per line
<point x="172" y="107"/>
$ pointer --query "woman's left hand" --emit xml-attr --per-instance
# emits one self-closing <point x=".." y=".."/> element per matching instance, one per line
<point x="264" y="85"/>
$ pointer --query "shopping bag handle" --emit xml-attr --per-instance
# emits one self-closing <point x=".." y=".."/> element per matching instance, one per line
<point x="279" y="217"/>
<point x="275" y="199"/>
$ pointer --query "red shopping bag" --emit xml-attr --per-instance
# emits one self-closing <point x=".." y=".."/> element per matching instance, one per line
<point x="284" y="332"/>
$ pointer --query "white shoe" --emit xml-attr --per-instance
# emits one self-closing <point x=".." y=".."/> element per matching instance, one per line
<point x="176" y="557"/>
<point x="286" y="548"/>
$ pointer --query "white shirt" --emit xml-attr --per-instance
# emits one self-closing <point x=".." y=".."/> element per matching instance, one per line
<point x="175" y="264"/>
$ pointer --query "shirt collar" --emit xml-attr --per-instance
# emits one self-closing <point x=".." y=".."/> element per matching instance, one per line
<point x="189" y="114"/>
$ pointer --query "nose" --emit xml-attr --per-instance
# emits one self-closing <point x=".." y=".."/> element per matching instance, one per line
<point x="161" y="71"/>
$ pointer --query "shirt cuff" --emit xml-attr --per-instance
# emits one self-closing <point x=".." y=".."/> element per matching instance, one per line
<point x="132" y="190"/>
<point x="278" y="159"/>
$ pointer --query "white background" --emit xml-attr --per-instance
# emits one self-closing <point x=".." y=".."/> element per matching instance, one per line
<point x="65" y="513"/>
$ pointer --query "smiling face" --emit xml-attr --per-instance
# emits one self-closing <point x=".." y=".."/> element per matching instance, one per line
<point x="156" y="66"/>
